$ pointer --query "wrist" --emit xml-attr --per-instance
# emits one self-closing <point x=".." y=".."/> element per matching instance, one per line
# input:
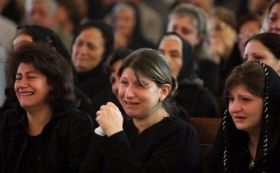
<point x="113" y="131"/>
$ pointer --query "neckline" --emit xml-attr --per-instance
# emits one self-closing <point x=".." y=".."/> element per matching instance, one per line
<point x="251" y="164"/>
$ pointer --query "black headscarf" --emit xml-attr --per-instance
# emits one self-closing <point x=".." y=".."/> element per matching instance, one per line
<point x="187" y="70"/>
<point x="41" y="34"/>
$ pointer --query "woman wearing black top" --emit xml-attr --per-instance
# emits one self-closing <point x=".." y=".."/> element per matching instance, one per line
<point x="46" y="133"/>
<point x="42" y="35"/>
<point x="153" y="140"/>
<point x="248" y="140"/>
<point x="192" y="95"/>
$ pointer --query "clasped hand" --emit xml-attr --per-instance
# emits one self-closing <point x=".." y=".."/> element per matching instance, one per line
<point x="110" y="119"/>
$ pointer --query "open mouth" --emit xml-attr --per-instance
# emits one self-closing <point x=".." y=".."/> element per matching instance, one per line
<point x="131" y="103"/>
<point x="25" y="93"/>
<point x="239" y="118"/>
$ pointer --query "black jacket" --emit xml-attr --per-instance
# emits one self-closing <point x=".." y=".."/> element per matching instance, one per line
<point x="63" y="144"/>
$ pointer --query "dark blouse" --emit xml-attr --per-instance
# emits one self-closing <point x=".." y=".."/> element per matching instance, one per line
<point x="31" y="159"/>
<point x="168" y="146"/>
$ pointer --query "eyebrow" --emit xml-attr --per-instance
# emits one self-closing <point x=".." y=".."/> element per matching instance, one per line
<point x="29" y="72"/>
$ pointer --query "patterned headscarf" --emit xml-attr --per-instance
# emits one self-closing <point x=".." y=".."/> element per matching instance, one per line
<point x="269" y="133"/>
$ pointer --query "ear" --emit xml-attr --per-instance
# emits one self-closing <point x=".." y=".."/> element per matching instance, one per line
<point x="164" y="91"/>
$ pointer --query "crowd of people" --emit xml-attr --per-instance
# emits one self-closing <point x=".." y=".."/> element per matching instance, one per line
<point x="110" y="85"/>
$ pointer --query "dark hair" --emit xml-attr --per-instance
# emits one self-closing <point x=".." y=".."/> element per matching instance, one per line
<point x="260" y="80"/>
<point x="119" y="54"/>
<point x="271" y="4"/>
<point x="43" y="35"/>
<point x="152" y="64"/>
<point x="50" y="63"/>
<point x="107" y="34"/>
<point x="226" y="15"/>
<point x="248" y="18"/>
<point x="248" y="74"/>
<point x="269" y="40"/>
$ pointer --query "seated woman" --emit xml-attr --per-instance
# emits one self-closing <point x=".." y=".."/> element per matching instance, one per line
<point x="248" y="140"/>
<point x="43" y="35"/>
<point x="45" y="133"/>
<point x="264" y="47"/>
<point x="191" y="95"/>
<point x="126" y="23"/>
<point x="113" y="65"/>
<point x="153" y="140"/>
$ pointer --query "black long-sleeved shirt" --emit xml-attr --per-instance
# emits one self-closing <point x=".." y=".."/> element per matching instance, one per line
<point x="168" y="146"/>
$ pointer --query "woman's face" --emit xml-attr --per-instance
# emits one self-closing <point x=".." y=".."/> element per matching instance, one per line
<point x="171" y="48"/>
<point x="139" y="101"/>
<point x="31" y="87"/>
<point x="124" y="22"/>
<point x="255" y="50"/>
<point x="273" y="23"/>
<point x="221" y="35"/>
<point x="245" y="109"/>
<point x="247" y="30"/>
<point x="88" y="50"/>
<point x="186" y="27"/>
<point x="114" y="78"/>
<point x="21" y="39"/>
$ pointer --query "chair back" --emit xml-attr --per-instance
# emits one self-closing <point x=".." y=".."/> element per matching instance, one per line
<point x="206" y="129"/>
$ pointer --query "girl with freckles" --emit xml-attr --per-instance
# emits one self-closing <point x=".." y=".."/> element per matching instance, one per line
<point x="152" y="140"/>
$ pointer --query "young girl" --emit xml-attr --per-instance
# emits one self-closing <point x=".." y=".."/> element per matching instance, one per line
<point x="248" y="140"/>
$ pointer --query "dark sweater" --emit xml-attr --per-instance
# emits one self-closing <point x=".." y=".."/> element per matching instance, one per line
<point x="168" y="146"/>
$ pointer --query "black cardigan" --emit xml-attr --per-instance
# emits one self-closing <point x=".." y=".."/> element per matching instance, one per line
<point x="64" y="141"/>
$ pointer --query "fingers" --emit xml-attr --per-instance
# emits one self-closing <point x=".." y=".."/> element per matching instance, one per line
<point x="110" y="104"/>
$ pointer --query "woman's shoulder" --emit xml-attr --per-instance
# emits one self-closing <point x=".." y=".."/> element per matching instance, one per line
<point x="11" y="115"/>
<point x="176" y="125"/>
<point x="72" y="119"/>
<point x="72" y="114"/>
<point x="11" y="118"/>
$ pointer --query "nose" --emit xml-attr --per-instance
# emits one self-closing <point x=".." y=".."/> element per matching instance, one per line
<point x="21" y="83"/>
<point x="129" y="92"/>
<point x="234" y="106"/>
<point x="167" y="57"/>
<point x="36" y="18"/>
<point x="275" y="25"/>
<point x="82" y="49"/>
